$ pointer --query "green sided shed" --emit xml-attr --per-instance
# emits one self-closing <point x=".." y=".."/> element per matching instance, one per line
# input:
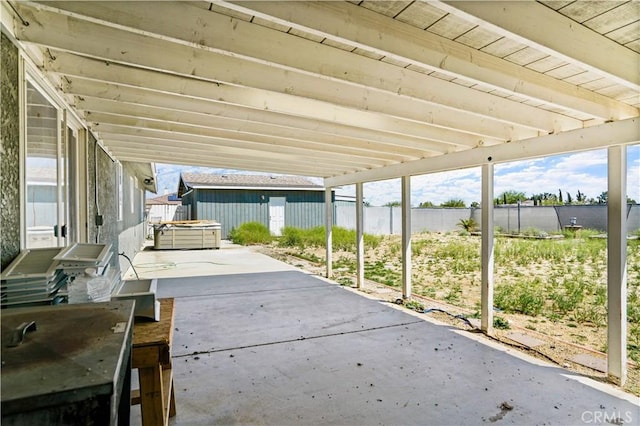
<point x="233" y="199"/>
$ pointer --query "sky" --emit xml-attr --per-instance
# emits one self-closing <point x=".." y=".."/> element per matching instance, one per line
<point x="583" y="171"/>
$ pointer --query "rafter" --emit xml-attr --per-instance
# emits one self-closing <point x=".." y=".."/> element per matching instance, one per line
<point x="600" y="136"/>
<point x="106" y="111"/>
<point x="348" y="23"/>
<point x="369" y="126"/>
<point x="186" y="149"/>
<point x="541" y="27"/>
<point x="215" y="146"/>
<point x="70" y="33"/>
<point x="222" y="162"/>
<point x="256" y="42"/>
<point x="232" y="138"/>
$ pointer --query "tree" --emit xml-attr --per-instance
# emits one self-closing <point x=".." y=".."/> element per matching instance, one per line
<point x="511" y="197"/>
<point x="393" y="204"/>
<point x="602" y="198"/>
<point x="475" y="205"/>
<point x="560" y="196"/>
<point x="426" y="204"/>
<point x="546" y="199"/>
<point x="580" y="197"/>
<point x="568" y="198"/>
<point x="453" y="203"/>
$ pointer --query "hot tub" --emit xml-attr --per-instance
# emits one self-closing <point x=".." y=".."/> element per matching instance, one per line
<point x="187" y="235"/>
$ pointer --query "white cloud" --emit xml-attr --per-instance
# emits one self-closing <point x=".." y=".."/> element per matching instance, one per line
<point x="582" y="160"/>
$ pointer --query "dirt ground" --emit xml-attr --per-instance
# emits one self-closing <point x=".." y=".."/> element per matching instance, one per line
<point x="559" y="340"/>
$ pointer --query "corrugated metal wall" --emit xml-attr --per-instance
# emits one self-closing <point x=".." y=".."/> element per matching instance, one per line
<point x="232" y="208"/>
<point x="304" y="209"/>
<point x="188" y="200"/>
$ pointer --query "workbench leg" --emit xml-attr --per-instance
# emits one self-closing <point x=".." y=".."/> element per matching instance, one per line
<point x="152" y="403"/>
<point x="124" y="405"/>
<point x="172" y="402"/>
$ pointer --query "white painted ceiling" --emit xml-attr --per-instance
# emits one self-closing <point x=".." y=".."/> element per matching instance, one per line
<point x="347" y="91"/>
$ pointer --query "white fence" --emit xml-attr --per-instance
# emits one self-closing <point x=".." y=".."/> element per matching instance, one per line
<point x="166" y="213"/>
<point x="388" y="220"/>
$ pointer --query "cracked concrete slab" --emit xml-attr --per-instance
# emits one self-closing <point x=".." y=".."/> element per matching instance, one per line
<point x="287" y="348"/>
<point x="590" y="361"/>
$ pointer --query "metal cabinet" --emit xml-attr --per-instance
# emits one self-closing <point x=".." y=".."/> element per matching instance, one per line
<point x="67" y="364"/>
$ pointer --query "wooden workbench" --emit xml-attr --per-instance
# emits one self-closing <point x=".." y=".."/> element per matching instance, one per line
<point x="151" y="355"/>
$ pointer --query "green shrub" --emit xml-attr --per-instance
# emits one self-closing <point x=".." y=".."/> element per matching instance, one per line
<point x="250" y="233"/>
<point x="414" y="305"/>
<point x="379" y="272"/>
<point x="521" y="297"/>
<point x="590" y="313"/>
<point x="454" y="295"/>
<point x="568" y="297"/>
<point x="501" y="323"/>
<point x="633" y="307"/>
<point x="345" y="281"/>
<point x="533" y="232"/>
<point x="468" y="225"/>
<point x="291" y="237"/>
<point x="342" y="239"/>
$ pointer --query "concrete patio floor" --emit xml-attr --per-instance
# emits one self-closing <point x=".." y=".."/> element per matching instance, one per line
<point x="259" y="342"/>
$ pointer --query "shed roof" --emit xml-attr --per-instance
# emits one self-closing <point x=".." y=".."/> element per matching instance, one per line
<point x="240" y="181"/>
<point x="166" y="199"/>
<point x="347" y="91"/>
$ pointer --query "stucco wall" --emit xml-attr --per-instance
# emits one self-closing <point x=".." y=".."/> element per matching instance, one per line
<point x="105" y="203"/>
<point x="126" y="235"/>
<point x="127" y="232"/>
<point x="9" y="154"/>
<point x="130" y="242"/>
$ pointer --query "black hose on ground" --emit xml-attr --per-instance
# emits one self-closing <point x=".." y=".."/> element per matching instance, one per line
<point x="130" y="262"/>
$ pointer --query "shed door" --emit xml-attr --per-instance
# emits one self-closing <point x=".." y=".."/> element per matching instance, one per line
<point x="276" y="215"/>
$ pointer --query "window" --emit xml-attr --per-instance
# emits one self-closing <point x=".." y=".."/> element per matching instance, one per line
<point x="44" y="171"/>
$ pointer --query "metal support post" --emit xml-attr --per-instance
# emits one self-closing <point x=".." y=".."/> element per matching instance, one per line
<point x="617" y="266"/>
<point x="328" y="203"/>
<point x="406" y="237"/>
<point x="487" y="250"/>
<point x="359" y="235"/>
